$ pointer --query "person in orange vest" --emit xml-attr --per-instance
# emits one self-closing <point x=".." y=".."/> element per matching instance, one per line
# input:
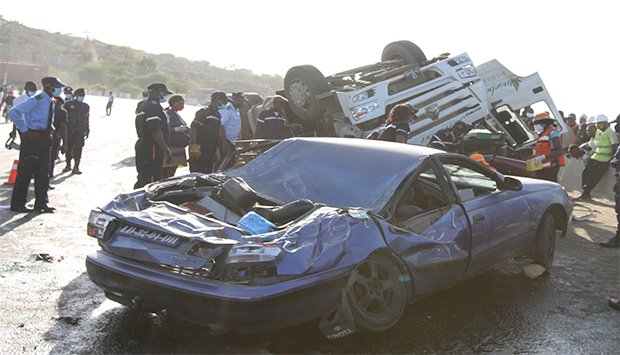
<point x="548" y="150"/>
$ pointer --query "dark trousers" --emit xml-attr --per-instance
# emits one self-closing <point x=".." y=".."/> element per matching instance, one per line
<point x="75" y="143"/>
<point x="108" y="109"/>
<point x="592" y="174"/>
<point x="548" y="174"/>
<point x="618" y="206"/>
<point x="54" y="153"/>
<point x="206" y="162"/>
<point x="34" y="158"/>
<point x="149" y="163"/>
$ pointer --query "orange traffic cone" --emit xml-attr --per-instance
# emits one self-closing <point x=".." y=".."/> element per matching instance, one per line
<point x="13" y="173"/>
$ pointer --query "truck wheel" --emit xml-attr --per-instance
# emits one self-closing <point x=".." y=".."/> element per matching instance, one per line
<point x="302" y="84"/>
<point x="406" y="51"/>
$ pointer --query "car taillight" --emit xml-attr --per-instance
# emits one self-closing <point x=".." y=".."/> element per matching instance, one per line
<point x="97" y="224"/>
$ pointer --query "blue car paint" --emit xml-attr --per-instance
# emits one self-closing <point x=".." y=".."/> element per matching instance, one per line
<point x="325" y="245"/>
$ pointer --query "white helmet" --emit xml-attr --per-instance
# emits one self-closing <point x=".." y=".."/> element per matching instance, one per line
<point x="590" y="120"/>
<point x="600" y="118"/>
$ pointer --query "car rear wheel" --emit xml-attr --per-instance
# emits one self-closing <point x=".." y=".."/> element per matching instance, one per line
<point x="545" y="241"/>
<point x="302" y="84"/>
<point x="406" y="51"/>
<point x="376" y="295"/>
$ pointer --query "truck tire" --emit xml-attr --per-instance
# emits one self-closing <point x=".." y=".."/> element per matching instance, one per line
<point x="406" y="51"/>
<point x="301" y="85"/>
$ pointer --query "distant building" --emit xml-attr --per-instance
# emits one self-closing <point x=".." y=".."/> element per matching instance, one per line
<point x="20" y="73"/>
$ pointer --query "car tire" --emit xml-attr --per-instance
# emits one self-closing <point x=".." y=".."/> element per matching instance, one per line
<point x="545" y="241"/>
<point x="406" y="51"/>
<point x="302" y="84"/>
<point x="376" y="294"/>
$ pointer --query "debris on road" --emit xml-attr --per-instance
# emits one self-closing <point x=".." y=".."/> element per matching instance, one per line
<point x="532" y="271"/>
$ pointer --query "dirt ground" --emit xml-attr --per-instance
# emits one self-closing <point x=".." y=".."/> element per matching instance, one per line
<point x="49" y="305"/>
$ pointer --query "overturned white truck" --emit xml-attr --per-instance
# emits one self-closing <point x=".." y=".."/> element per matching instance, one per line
<point x="444" y="89"/>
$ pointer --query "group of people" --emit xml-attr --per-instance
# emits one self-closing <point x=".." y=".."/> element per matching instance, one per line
<point x="47" y="125"/>
<point x="164" y="136"/>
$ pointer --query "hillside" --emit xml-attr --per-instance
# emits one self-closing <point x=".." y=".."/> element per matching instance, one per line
<point x="96" y="65"/>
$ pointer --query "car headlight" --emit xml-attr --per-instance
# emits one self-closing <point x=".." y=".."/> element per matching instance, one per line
<point x="361" y="111"/>
<point x="467" y="71"/>
<point x="97" y="224"/>
<point x="253" y="253"/>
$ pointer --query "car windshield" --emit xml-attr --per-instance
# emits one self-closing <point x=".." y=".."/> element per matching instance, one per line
<point x="339" y="172"/>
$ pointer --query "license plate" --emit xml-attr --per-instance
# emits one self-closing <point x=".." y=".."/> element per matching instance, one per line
<point x="151" y="236"/>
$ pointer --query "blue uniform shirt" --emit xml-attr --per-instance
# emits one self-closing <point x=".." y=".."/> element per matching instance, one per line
<point x="32" y="114"/>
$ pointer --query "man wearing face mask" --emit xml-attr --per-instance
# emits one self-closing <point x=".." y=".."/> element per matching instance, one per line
<point x="68" y="90"/>
<point x="231" y="123"/>
<point x="152" y="129"/>
<point x="548" y="150"/>
<point x="33" y="119"/>
<point x="78" y="129"/>
<point x="178" y="136"/>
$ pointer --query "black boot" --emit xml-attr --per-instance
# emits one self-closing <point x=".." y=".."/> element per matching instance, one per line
<point x="612" y="243"/>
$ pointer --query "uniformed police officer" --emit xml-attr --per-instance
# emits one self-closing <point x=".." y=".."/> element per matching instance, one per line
<point x="145" y="97"/>
<point x="33" y="119"/>
<point x="78" y="129"/>
<point x="152" y="128"/>
<point x="204" y="135"/>
<point x="59" y="134"/>
<point x="272" y="123"/>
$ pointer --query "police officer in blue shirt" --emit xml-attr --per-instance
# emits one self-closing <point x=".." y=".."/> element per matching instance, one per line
<point x="33" y="119"/>
<point x="152" y="128"/>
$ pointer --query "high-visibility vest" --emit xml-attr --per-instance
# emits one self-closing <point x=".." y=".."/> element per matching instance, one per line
<point x="604" y="145"/>
<point x="543" y="147"/>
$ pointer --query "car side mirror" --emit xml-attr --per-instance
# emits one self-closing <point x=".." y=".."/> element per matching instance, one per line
<point x="511" y="183"/>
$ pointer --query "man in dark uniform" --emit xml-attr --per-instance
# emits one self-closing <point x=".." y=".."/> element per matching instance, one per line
<point x="396" y="125"/>
<point x="272" y="123"/>
<point x="145" y="97"/>
<point x="33" y="119"/>
<point x="152" y="129"/>
<point x="78" y="129"/>
<point x="59" y="134"/>
<point x="452" y="137"/>
<point x="204" y="138"/>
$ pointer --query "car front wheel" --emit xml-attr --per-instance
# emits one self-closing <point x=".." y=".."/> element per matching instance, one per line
<point x="376" y="294"/>
<point x="545" y="241"/>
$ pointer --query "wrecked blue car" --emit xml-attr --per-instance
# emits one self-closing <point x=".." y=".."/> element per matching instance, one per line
<point x="344" y="232"/>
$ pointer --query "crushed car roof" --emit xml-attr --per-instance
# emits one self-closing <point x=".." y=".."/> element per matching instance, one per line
<point x="339" y="172"/>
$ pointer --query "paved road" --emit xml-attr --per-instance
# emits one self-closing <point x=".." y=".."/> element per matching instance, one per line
<point x="53" y="307"/>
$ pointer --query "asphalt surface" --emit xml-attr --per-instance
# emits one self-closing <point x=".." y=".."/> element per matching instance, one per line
<point x="49" y="305"/>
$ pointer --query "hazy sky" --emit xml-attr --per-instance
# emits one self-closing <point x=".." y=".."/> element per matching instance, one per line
<point x="574" y="45"/>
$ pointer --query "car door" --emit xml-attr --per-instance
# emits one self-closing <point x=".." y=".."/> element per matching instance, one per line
<point x="429" y="230"/>
<point x="498" y="218"/>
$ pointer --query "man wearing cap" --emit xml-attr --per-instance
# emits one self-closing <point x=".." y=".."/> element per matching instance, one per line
<point x="33" y="119"/>
<point x="570" y="137"/>
<point x="243" y="106"/>
<point x="548" y="149"/>
<point x="272" y="123"/>
<point x="68" y="90"/>
<point x="152" y="129"/>
<point x="231" y="123"/>
<point x="606" y="144"/>
<point x="78" y="129"/>
<point x="145" y="97"/>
